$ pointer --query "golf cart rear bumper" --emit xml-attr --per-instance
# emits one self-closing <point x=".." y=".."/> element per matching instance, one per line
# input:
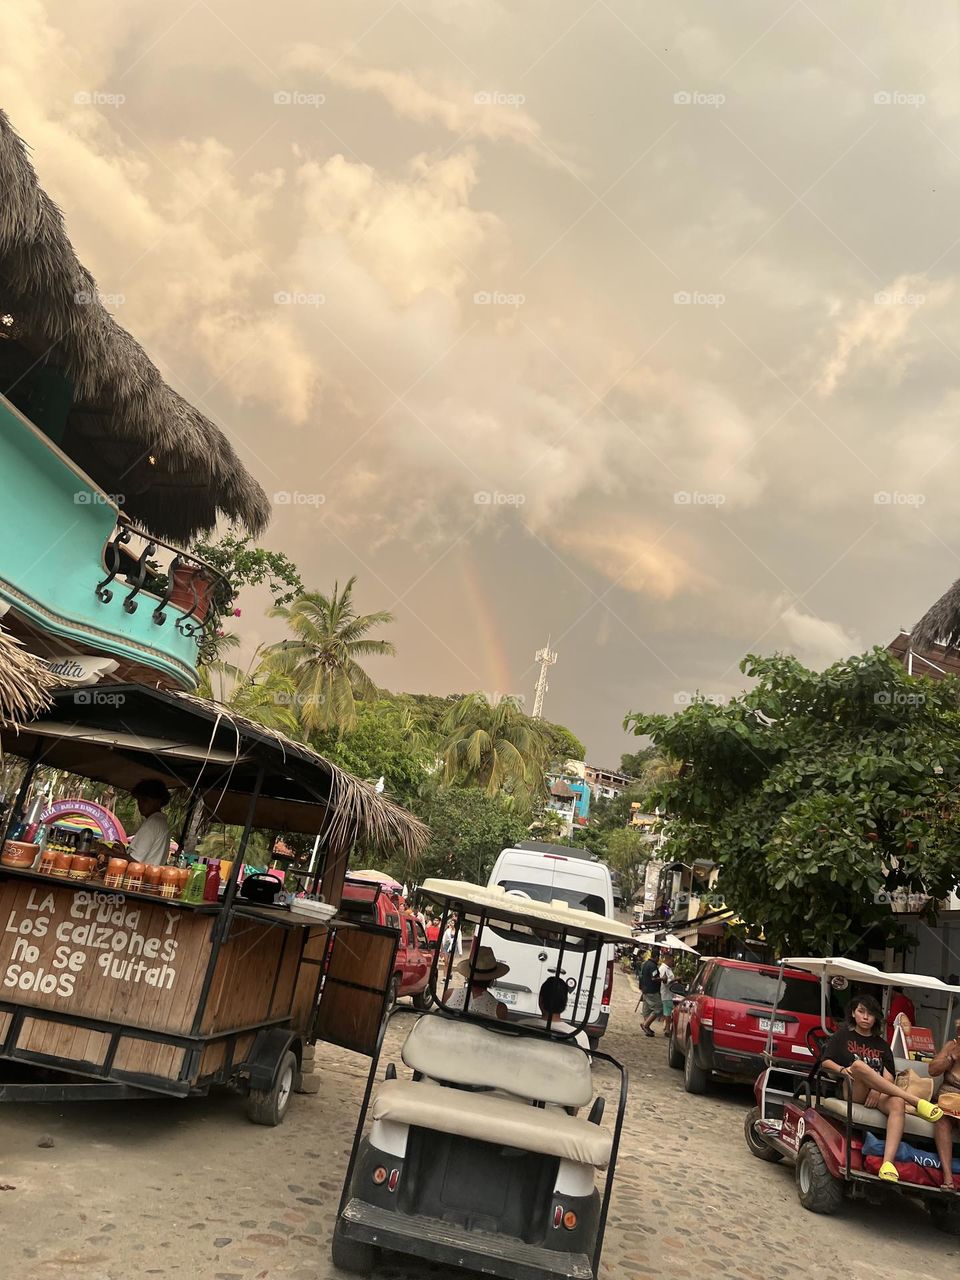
<point x="438" y="1241"/>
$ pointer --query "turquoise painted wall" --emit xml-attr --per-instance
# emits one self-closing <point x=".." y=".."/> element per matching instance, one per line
<point x="54" y="525"/>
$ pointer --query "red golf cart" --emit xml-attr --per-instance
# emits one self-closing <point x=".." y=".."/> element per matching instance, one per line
<point x="802" y="1116"/>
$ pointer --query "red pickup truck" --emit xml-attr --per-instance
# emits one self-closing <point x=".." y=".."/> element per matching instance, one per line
<point x="370" y="901"/>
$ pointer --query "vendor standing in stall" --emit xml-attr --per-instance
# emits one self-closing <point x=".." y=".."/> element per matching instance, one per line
<point x="151" y="842"/>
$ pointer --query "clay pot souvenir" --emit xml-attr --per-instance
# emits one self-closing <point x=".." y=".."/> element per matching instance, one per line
<point x="116" y="870"/>
<point x="62" y="862"/>
<point x="169" y="882"/>
<point x="151" y="878"/>
<point x="133" y="879"/>
<point x="19" y="853"/>
<point x="83" y="867"/>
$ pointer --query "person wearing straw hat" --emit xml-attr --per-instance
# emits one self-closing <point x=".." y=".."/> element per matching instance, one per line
<point x="486" y="970"/>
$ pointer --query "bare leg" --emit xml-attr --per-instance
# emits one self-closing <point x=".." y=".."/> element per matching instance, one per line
<point x="865" y="1079"/>
<point x="895" y="1109"/>
<point x="943" y="1137"/>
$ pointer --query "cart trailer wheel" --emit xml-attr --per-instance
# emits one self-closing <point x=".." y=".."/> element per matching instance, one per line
<point x="354" y="1256"/>
<point x="695" y="1079"/>
<point x="755" y="1143"/>
<point x="818" y="1190"/>
<point x="269" y="1106"/>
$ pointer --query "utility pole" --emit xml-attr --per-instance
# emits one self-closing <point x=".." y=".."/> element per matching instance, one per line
<point x="546" y="657"/>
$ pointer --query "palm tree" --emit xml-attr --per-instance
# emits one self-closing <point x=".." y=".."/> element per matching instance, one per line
<point x="264" y="692"/>
<point x="322" y="659"/>
<point x="494" y="746"/>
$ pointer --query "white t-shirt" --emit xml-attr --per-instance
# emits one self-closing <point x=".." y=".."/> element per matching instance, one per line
<point x="666" y="977"/>
<point x="152" y="842"/>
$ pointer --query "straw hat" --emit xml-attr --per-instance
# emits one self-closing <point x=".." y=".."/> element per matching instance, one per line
<point x="488" y="968"/>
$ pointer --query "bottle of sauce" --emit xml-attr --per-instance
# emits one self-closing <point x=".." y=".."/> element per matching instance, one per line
<point x="211" y="884"/>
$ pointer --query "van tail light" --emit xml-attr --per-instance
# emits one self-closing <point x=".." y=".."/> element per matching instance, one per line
<point x="608" y="985"/>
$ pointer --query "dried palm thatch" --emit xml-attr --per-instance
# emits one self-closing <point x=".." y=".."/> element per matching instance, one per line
<point x="25" y="682"/>
<point x="358" y="814"/>
<point x="127" y="429"/>
<point x="940" y="625"/>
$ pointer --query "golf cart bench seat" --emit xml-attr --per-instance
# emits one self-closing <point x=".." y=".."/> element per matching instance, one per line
<point x="870" y="1118"/>
<point x="527" y="1066"/>
<point x="491" y="1118"/>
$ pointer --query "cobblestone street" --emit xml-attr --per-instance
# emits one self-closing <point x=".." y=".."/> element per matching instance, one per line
<point x="192" y="1189"/>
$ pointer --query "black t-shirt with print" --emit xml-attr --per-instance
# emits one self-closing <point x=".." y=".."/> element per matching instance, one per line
<point x="846" y="1045"/>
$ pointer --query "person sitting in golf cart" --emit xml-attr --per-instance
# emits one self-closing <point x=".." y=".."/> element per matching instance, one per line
<point x="865" y="1063"/>
<point x="486" y="970"/>
<point x="553" y="998"/>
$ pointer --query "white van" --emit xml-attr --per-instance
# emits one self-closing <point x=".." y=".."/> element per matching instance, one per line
<point x="548" y="873"/>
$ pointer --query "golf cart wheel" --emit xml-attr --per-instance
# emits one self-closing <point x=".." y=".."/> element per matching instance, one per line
<point x="818" y="1190"/>
<point x="946" y="1216"/>
<point x="756" y="1145"/>
<point x="354" y="1256"/>
<point x="269" y="1106"/>
<point x="674" y="1056"/>
<point x="695" y="1079"/>
<point x="423" y="1000"/>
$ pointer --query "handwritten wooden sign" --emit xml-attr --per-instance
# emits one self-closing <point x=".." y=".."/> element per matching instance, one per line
<point x="100" y="954"/>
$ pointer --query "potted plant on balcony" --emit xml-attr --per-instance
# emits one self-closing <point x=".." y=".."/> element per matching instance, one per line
<point x="193" y="589"/>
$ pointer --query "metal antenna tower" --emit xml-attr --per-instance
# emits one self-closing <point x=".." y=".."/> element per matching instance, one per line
<point x="546" y="657"/>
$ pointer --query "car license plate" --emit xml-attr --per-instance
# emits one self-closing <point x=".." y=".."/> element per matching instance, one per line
<point x="506" y="997"/>
<point x="779" y="1028"/>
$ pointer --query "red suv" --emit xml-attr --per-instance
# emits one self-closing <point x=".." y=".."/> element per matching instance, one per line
<point x="370" y="901"/>
<point x="721" y="1025"/>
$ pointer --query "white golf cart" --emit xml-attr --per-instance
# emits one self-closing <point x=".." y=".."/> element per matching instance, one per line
<point x="479" y="1157"/>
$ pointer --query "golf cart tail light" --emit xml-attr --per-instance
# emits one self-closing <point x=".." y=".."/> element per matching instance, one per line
<point x="558" y="1215"/>
<point x="569" y="1219"/>
<point x="394" y="1179"/>
<point x="380" y="1175"/>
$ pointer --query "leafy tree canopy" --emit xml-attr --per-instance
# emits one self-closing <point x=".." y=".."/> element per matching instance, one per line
<point x="562" y="745"/>
<point x="383" y="743"/>
<point x="819" y="794"/>
<point x="467" y="831"/>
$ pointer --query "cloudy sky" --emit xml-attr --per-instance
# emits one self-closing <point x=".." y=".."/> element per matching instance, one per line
<point x="632" y="325"/>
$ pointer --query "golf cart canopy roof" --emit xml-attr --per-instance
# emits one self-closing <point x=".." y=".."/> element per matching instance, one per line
<point x="856" y="971"/>
<point x="474" y="900"/>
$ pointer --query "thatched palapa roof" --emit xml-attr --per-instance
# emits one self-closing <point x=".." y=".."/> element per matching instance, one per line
<point x="25" y="682"/>
<point x="123" y="413"/>
<point x="940" y="625"/>
<point x="194" y="743"/>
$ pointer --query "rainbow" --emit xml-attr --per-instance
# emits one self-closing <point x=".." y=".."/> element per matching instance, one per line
<point x="495" y="657"/>
<point x="74" y="815"/>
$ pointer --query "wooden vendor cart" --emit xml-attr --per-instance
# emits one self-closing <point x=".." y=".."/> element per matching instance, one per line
<point x="124" y="994"/>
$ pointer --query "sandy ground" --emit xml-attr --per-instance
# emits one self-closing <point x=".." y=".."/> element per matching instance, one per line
<point x="192" y="1189"/>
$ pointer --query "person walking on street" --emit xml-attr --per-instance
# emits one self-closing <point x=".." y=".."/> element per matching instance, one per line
<point x="650" y="994"/>
<point x="451" y="944"/>
<point x="666" y="995"/>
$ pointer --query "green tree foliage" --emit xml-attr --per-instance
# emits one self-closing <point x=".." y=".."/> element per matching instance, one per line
<point x="496" y="747"/>
<point x="819" y="794"/>
<point x="467" y="831"/>
<point x="262" y="693"/>
<point x="387" y="741"/>
<point x="631" y="763"/>
<point x="330" y="639"/>
<point x="244" y="565"/>
<point x="627" y="853"/>
<point x="562" y="745"/>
